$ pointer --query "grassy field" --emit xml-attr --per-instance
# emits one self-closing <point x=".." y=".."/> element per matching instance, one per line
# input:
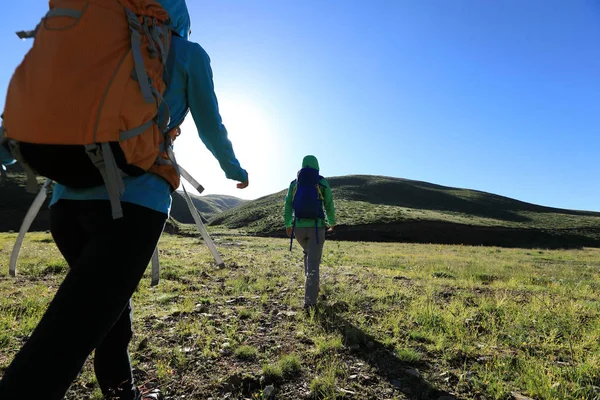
<point x="395" y="321"/>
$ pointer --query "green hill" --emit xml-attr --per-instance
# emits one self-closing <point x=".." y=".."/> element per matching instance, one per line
<point x="208" y="206"/>
<point x="377" y="208"/>
<point x="15" y="201"/>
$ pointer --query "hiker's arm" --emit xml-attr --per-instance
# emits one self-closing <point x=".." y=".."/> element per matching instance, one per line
<point x="5" y="157"/>
<point x="205" y="111"/>
<point x="287" y="212"/>
<point x="329" y="206"/>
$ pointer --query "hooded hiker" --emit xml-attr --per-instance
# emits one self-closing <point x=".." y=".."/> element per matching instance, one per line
<point x="305" y="219"/>
<point x="105" y="224"/>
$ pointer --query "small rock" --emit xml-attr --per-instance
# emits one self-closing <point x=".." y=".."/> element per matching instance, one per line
<point x="269" y="392"/>
<point x="353" y="377"/>
<point x="288" y="313"/>
<point x="517" y="396"/>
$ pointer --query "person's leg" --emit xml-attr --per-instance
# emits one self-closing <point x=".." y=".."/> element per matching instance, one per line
<point x="301" y="235"/>
<point x="88" y="303"/>
<point x="111" y="359"/>
<point x="313" y="261"/>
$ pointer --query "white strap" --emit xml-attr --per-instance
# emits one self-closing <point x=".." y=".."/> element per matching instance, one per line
<point x="195" y="214"/>
<point x="138" y="59"/>
<point x="29" y="217"/>
<point x="103" y="158"/>
<point x="191" y="180"/>
<point x="202" y="229"/>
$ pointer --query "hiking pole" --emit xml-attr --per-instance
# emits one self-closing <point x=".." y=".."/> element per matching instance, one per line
<point x="292" y="235"/>
<point x="29" y="217"/>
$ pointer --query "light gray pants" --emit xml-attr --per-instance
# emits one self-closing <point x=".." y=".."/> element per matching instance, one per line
<point x="307" y="237"/>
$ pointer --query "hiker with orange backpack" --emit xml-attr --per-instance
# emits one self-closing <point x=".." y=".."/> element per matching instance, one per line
<point x="111" y="142"/>
<point x="306" y="220"/>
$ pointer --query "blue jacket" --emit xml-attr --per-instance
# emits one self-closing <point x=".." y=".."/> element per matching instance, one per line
<point x="5" y="157"/>
<point x="190" y="89"/>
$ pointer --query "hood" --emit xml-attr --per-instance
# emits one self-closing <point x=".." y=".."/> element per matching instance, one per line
<point x="180" y="16"/>
<point x="310" y="162"/>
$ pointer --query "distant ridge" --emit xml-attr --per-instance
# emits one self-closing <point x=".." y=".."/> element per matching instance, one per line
<point x="15" y="201"/>
<point x="380" y="208"/>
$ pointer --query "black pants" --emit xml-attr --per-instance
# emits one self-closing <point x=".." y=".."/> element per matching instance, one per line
<point x="92" y="308"/>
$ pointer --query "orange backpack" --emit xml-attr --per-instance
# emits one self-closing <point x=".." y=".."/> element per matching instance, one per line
<point x="82" y="107"/>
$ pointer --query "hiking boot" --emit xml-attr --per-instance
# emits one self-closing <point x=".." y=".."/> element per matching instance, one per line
<point x="154" y="394"/>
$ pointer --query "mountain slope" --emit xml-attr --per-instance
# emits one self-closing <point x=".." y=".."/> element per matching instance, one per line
<point x="15" y="201"/>
<point x="385" y="208"/>
<point x="208" y="206"/>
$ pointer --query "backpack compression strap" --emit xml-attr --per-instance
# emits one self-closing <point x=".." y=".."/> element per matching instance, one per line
<point x="195" y="214"/>
<point x="103" y="158"/>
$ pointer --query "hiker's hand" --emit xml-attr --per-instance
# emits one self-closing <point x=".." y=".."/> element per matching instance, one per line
<point x="331" y="228"/>
<point x="288" y="231"/>
<point x="243" y="185"/>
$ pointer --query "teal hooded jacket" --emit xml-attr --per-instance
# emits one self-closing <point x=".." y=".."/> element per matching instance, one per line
<point x="190" y="89"/>
<point x="288" y="217"/>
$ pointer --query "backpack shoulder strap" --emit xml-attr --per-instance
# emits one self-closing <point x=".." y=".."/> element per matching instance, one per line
<point x="295" y="189"/>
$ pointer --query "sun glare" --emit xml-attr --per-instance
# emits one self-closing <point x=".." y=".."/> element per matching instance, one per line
<point x="255" y="143"/>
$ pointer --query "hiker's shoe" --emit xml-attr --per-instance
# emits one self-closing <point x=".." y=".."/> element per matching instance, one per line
<point x="154" y="394"/>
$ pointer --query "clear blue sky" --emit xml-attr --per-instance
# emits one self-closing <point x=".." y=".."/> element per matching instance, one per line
<point x="501" y="96"/>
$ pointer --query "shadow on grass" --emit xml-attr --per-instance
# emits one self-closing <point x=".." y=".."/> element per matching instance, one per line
<point x="460" y="234"/>
<point x="398" y="373"/>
